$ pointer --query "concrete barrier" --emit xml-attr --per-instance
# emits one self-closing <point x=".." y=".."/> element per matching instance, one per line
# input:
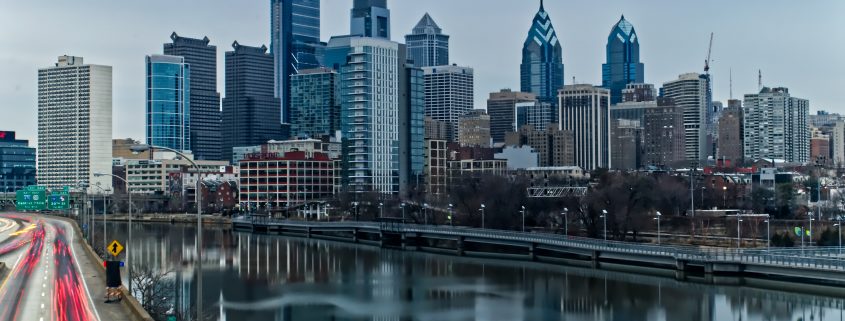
<point x="131" y="304"/>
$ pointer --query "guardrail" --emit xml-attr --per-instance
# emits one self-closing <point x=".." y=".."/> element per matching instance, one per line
<point x="827" y="258"/>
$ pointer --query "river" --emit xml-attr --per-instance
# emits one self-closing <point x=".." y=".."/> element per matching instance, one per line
<point x="261" y="277"/>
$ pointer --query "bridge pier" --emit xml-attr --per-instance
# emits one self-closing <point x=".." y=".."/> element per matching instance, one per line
<point x="594" y="256"/>
<point x="532" y="251"/>
<point x="308" y="232"/>
<point x="459" y="245"/>
<point x="354" y="235"/>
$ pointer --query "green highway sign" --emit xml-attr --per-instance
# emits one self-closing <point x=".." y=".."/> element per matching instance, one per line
<point x="31" y="199"/>
<point x="58" y="201"/>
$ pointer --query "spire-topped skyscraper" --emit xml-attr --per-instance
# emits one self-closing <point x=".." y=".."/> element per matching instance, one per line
<point x="623" y="64"/>
<point x="370" y="18"/>
<point x="541" y="72"/>
<point x="427" y="45"/>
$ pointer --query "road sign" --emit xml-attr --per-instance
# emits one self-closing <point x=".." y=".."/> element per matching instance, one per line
<point x="31" y="199"/>
<point x="58" y="200"/>
<point x="115" y="248"/>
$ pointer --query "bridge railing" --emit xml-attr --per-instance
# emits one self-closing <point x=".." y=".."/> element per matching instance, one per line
<point x="821" y="257"/>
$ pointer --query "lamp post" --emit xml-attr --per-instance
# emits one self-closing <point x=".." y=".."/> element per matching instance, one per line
<point x="724" y="197"/>
<point x="566" y="222"/>
<point x="810" y="236"/>
<point x="83" y="219"/>
<point x="129" y="243"/>
<point x="143" y="148"/>
<point x="403" y="211"/>
<point x="604" y="216"/>
<point x="657" y="217"/>
<point x="768" y="235"/>
<point x="702" y="197"/>
<point x="839" y="230"/>
<point x="105" y="191"/>
<point x="381" y="210"/>
<point x="482" y="215"/>
<point x="450" y="215"/>
<point x="425" y="213"/>
<point x="738" y="235"/>
<point x="523" y="219"/>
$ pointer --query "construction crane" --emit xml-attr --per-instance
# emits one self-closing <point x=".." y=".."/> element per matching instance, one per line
<point x="709" y="50"/>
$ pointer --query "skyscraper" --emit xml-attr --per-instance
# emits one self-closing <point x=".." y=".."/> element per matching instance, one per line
<point x="585" y="110"/>
<point x="500" y="107"/>
<point x="370" y="119"/>
<point x="691" y="93"/>
<point x="541" y="72"/>
<point x="536" y="114"/>
<point x="448" y="95"/>
<point x="370" y="18"/>
<point x="775" y="126"/>
<point x="168" y="104"/>
<point x="663" y="135"/>
<point x="315" y="103"/>
<point x="250" y="109"/>
<point x="623" y="64"/>
<point x="294" y="43"/>
<point x="204" y="100"/>
<point x="17" y="163"/>
<point x="427" y="45"/>
<point x="74" y="124"/>
<point x="730" y="133"/>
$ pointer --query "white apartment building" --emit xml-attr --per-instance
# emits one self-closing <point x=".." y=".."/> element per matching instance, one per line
<point x="74" y="124"/>
<point x="448" y="95"/>
<point x="585" y="111"/>
<point x="776" y="126"/>
<point x="165" y="175"/>
<point x="691" y="94"/>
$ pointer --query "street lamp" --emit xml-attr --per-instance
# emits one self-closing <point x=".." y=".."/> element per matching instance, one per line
<point x="738" y="235"/>
<point x="811" y="219"/>
<point x="425" y="213"/>
<point x="143" y="148"/>
<point x="566" y="221"/>
<point x="768" y="236"/>
<point x="451" y="223"/>
<point x="381" y="210"/>
<point x="657" y="217"/>
<point x="724" y="197"/>
<point x="523" y="219"/>
<point x="403" y="211"/>
<point x="105" y="191"/>
<point x="839" y="228"/>
<point x="482" y="215"/>
<point x="604" y="216"/>
<point x="128" y="243"/>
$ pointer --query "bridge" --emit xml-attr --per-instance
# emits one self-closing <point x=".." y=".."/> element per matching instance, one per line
<point x="822" y="265"/>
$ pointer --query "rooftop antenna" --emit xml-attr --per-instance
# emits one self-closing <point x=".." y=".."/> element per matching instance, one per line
<point x="759" y="79"/>
<point x="573" y="80"/>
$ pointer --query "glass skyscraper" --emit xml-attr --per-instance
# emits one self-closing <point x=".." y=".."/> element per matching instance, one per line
<point x="294" y="44"/>
<point x="168" y="103"/>
<point x="250" y="110"/>
<point x="315" y="103"/>
<point x="541" y="72"/>
<point x="623" y="65"/>
<point x="370" y="18"/>
<point x="204" y="99"/>
<point x="17" y="163"/>
<point x="427" y="45"/>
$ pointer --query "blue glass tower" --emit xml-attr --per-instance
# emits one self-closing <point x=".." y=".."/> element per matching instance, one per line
<point x="168" y="102"/>
<point x="295" y="44"/>
<point x="541" y="72"/>
<point x="623" y="65"/>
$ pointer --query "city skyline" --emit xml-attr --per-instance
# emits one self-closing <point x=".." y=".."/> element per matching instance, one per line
<point x="120" y="40"/>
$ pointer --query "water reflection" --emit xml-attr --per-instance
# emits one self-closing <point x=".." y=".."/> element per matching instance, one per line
<point x="258" y="277"/>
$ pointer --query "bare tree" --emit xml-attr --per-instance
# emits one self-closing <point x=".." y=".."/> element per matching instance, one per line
<point x="154" y="290"/>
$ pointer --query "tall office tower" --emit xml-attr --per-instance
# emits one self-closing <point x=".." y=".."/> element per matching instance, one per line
<point x="168" y="102"/>
<point x="626" y="143"/>
<point x="585" y="110"/>
<point x="370" y="18"/>
<point x="250" y="109"/>
<point x="315" y="103"/>
<point x="449" y="94"/>
<point x="552" y="145"/>
<point x="541" y="71"/>
<point x="837" y="145"/>
<point x="775" y="126"/>
<point x="203" y="98"/>
<point x="474" y="129"/>
<point x="500" y="107"/>
<point x="17" y="163"/>
<point x="427" y="45"/>
<point x="382" y="126"/>
<point x="730" y="134"/>
<point x="536" y="114"/>
<point x="74" y="124"/>
<point x="623" y="64"/>
<point x="691" y="92"/>
<point x="663" y="135"/>
<point x="294" y="43"/>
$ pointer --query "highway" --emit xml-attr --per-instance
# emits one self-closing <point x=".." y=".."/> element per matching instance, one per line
<point x="44" y="280"/>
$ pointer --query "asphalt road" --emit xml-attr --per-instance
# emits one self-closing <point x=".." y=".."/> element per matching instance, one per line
<point x="45" y="281"/>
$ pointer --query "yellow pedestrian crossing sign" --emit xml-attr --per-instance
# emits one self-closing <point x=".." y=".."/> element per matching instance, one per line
<point x="115" y="248"/>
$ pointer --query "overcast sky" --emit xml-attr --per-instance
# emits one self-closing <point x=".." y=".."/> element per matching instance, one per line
<point x="797" y="44"/>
